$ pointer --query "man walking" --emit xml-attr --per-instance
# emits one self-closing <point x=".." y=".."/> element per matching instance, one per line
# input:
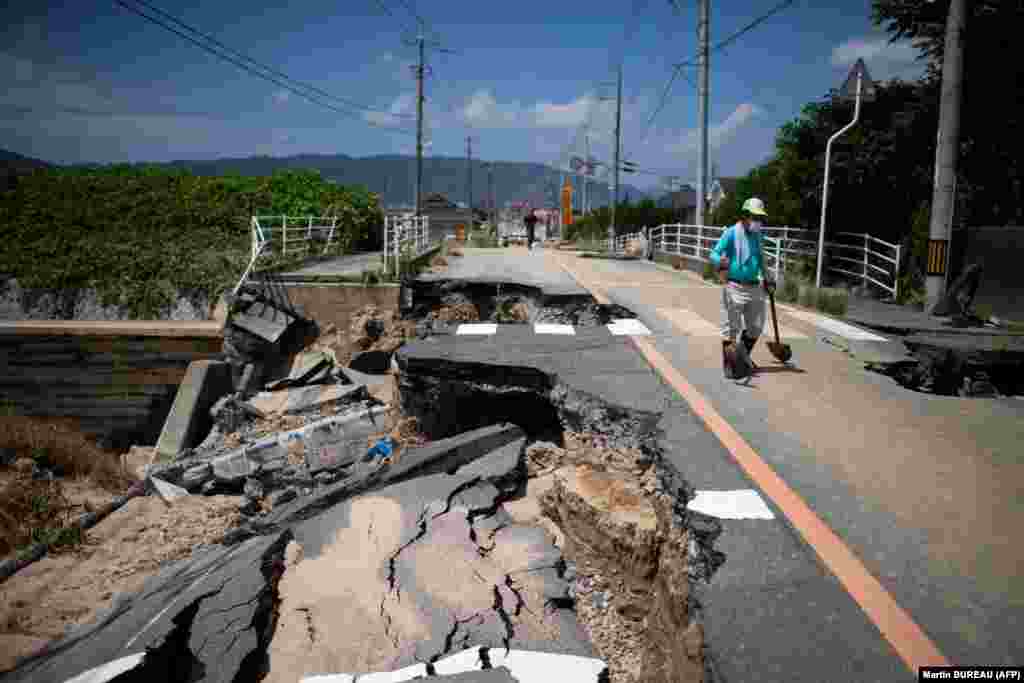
<point x="739" y="258"/>
<point x="531" y="227"/>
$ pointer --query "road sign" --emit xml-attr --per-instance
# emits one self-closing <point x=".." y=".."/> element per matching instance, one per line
<point x="867" y="86"/>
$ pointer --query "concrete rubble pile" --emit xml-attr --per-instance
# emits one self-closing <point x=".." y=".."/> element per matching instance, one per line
<point x="540" y="523"/>
<point x="296" y="421"/>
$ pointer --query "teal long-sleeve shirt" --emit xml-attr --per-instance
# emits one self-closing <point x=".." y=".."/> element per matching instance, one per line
<point x="750" y="271"/>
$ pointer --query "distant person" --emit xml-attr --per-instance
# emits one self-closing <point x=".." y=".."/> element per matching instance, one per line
<point x="739" y="258"/>
<point x="531" y="227"/>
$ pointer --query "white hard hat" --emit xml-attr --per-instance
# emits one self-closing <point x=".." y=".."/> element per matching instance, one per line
<point x="754" y="206"/>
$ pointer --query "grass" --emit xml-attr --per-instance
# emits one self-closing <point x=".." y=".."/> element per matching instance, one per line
<point x="57" y="442"/>
<point x="34" y="511"/>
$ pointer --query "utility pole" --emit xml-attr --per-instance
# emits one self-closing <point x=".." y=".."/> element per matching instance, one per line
<point x="469" y="170"/>
<point x="946" y="155"/>
<point x="586" y="169"/>
<point x="618" y="145"/>
<point x="490" y="194"/>
<point x="419" y="127"/>
<point x="702" y="110"/>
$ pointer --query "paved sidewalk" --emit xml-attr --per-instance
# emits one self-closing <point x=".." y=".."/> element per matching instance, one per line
<point x="349" y="264"/>
<point x="923" y="489"/>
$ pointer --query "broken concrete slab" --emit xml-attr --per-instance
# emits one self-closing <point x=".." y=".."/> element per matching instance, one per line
<point x="304" y="366"/>
<point x="439" y="456"/>
<point x="204" y="382"/>
<point x="269" y="453"/>
<point x="428" y="562"/>
<point x="167" y="491"/>
<point x="372" y="362"/>
<point x="299" y="399"/>
<point x="263" y="321"/>
<point x="205" y="618"/>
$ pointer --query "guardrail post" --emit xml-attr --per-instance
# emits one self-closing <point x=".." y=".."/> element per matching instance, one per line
<point x="867" y="249"/>
<point x="778" y="258"/>
<point x="896" y="275"/>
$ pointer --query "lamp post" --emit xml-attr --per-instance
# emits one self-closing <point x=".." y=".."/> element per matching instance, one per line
<point x="858" y="75"/>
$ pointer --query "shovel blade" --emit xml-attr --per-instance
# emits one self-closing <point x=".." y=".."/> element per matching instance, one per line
<point x="781" y="351"/>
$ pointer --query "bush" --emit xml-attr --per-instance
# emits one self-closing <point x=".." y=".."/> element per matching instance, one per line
<point x="140" y="234"/>
<point x="710" y="274"/>
<point x="832" y="300"/>
<point x="789" y="289"/>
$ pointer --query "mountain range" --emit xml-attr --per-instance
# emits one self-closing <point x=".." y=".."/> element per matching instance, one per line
<point x="393" y="177"/>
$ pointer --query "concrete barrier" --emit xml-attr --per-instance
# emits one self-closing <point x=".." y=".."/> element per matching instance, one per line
<point x="189" y="419"/>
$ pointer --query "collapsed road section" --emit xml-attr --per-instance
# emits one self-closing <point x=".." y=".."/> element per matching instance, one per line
<point x="541" y="518"/>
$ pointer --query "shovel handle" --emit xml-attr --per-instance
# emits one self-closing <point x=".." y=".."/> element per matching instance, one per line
<point x="775" y="319"/>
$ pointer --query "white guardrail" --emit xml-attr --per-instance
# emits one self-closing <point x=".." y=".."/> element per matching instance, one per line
<point x="856" y="255"/>
<point x="290" y="235"/>
<point x="405" y="235"/>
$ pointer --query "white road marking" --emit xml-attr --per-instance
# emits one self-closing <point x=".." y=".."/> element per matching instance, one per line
<point x="833" y="326"/>
<point x="551" y="328"/>
<point x="477" y="328"/>
<point x="742" y="504"/>
<point x="524" y="665"/>
<point x="110" y="670"/>
<point x="629" y="326"/>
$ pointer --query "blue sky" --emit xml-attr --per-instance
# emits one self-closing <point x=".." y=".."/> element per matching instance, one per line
<point x="90" y="81"/>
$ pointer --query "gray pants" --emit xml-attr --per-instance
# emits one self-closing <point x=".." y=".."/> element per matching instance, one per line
<point x="743" y="309"/>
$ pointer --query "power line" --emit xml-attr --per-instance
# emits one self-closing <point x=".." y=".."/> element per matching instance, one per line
<point x="677" y="69"/>
<point x="387" y="10"/>
<point x="412" y="9"/>
<point x="761" y="19"/>
<point x="245" y="57"/>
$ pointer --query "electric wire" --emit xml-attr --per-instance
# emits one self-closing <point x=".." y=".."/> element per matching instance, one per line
<point x="284" y="81"/>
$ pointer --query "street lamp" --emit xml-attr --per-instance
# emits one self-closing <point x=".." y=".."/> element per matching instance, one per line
<point x="858" y="75"/>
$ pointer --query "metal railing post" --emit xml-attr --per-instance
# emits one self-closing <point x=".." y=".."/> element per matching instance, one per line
<point x="896" y="275"/>
<point x="700" y="241"/>
<point x="284" y="235"/>
<point x="778" y="258"/>
<point x="867" y="249"/>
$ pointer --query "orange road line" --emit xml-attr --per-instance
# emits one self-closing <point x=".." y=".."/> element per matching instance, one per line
<point x="911" y="643"/>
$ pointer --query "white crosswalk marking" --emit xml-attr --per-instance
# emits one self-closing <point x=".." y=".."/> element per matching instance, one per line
<point x="742" y="504"/>
<point x="627" y="326"/>
<point x="551" y="328"/>
<point x="477" y="328"/>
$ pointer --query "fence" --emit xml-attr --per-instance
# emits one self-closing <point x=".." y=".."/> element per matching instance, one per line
<point x="405" y="235"/>
<point x="296" y="236"/>
<point x="856" y="255"/>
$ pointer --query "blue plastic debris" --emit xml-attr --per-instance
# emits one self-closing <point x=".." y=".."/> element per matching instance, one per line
<point x="382" y="449"/>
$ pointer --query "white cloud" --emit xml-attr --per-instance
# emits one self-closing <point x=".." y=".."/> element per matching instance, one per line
<point x="570" y="115"/>
<point x="873" y="49"/>
<point x="281" y="96"/>
<point x="397" y="114"/>
<point x="718" y="134"/>
<point x="482" y="110"/>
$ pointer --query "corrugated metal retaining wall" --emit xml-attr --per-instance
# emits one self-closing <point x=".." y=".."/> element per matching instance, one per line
<point x="118" y="378"/>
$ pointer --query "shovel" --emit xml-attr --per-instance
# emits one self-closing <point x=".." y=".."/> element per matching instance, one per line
<point x="781" y="351"/>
